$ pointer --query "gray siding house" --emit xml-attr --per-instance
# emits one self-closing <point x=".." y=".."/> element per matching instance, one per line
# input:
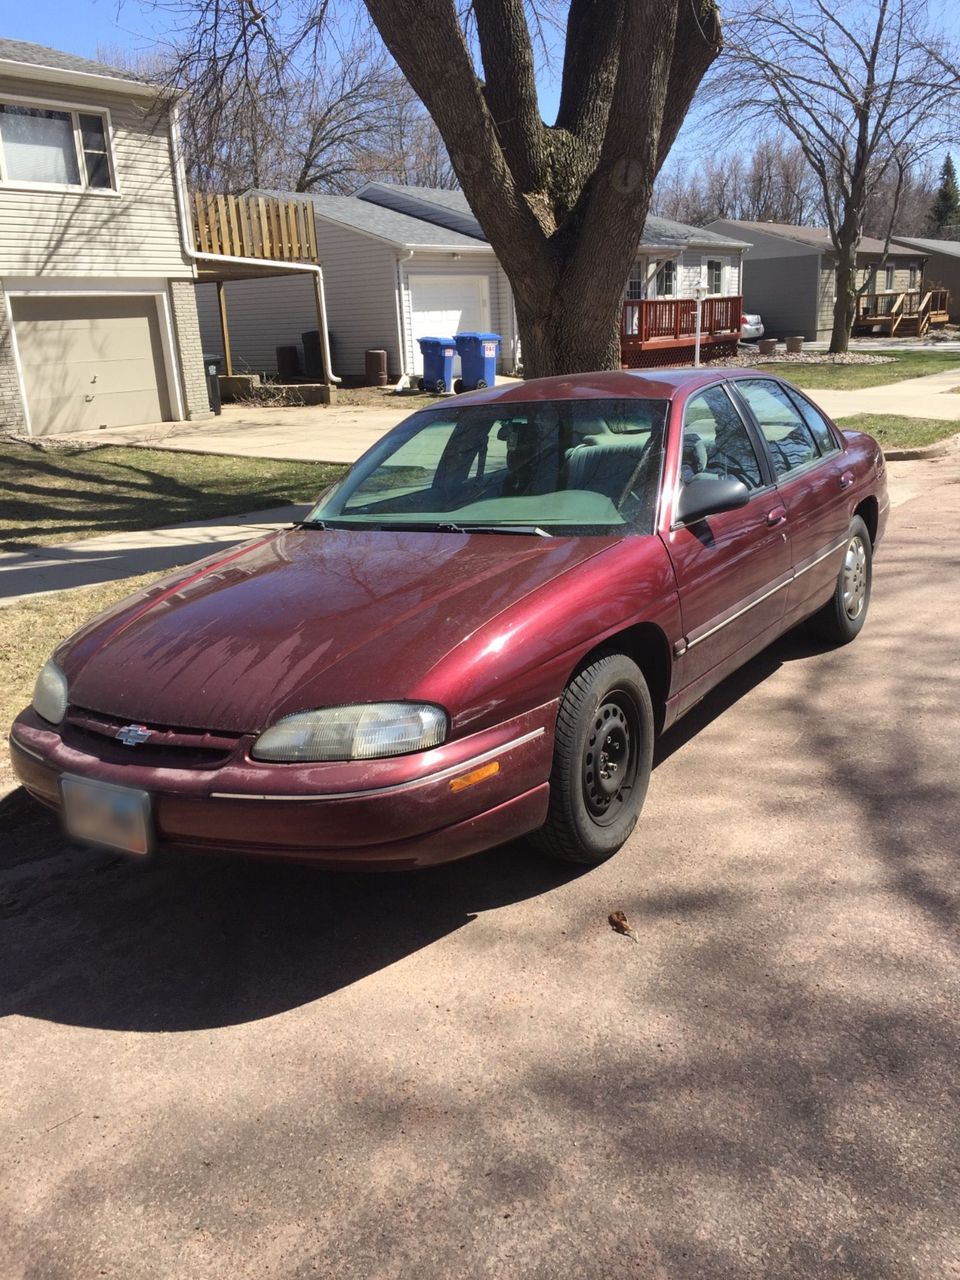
<point x="791" y="274"/>
<point x="98" y="320"/>
<point x="942" y="269"/>
<point x="400" y="263"/>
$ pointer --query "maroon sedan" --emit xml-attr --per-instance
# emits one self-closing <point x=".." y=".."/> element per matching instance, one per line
<point x="476" y="635"/>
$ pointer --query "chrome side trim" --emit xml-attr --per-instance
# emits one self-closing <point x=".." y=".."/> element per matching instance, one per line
<point x="449" y="772"/>
<point x="740" y="612"/>
<point x="795" y="573"/>
<point x="26" y="750"/>
<point x="823" y="555"/>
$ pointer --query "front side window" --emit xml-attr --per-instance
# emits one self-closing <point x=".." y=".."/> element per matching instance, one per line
<point x="816" y="422"/>
<point x="716" y="442"/>
<point x="667" y="279"/>
<point x="53" y="147"/>
<point x="565" y="467"/>
<point x="714" y="276"/>
<point x="787" y="435"/>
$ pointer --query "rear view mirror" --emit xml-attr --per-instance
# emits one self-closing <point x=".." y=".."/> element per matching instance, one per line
<point x="708" y="496"/>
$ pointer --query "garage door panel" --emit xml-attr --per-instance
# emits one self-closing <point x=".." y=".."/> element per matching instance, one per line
<point x="442" y="306"/>
<point x="90" y="362"/>
<point x="62" y="412"/>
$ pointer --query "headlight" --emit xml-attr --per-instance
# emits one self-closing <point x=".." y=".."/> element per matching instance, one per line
<point x="50" y="693"/>
<point x="365" y="732"/>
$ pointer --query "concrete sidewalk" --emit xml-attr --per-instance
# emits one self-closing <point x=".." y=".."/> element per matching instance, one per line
<point x="929" y="397"/>
<point x="121" y="555"/>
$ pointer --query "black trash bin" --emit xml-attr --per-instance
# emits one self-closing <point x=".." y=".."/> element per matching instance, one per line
<point x="213" y="366"/>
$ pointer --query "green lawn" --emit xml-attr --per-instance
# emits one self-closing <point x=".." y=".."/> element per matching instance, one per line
<point x="896" y="432"/>
<point x="49" y="496"/>
<point x="29" y="632"/>
<point x="842" y="377"/>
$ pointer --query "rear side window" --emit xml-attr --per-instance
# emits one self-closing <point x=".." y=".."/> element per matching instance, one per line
<point x="790" y="441"/>
<point x="716" y="442"/>
<point x="816" y="422"/>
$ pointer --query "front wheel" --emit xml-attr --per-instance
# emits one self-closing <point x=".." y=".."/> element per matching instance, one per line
<point x="602" y="759"/>
<point x="842" y="619"/>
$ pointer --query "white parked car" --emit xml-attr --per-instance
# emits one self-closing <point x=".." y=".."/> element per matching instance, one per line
<point x="751" y="328"/>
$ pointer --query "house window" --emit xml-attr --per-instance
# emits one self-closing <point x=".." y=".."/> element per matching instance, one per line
<point x="914" y="275"/>
<point x="636" y="283"/>
<point x="888" y="278"/>
<point x="714" y="275"/>
<point x="667" y="279"/>
<point x="53" y="147"/>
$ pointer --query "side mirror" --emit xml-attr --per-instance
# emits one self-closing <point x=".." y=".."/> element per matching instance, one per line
<point x="707" y="496"/>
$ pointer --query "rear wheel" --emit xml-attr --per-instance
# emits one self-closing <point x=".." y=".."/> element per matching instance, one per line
<point x="842" y="619"/>
<point x="439" y="386"/>
<point x="602" y="760"/>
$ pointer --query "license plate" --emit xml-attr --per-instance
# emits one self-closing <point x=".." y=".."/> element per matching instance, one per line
<point x="100" y="813"/>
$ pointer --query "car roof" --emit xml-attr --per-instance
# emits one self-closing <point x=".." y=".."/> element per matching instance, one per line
<point x="654" y="384"/>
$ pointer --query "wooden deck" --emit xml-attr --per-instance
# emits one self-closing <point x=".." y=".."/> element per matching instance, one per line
<point x="663" y="330"/>
<point x="254" y="227"/>
<point x="907" y="313"/>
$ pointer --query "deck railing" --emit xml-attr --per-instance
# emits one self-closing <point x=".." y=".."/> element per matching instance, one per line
<point x="890" y="307"/>
<point x="666" y="319"/>
<point x="254" y="227"/>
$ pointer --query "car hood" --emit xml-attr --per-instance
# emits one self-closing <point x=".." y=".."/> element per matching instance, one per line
<point x="303" y="619"/>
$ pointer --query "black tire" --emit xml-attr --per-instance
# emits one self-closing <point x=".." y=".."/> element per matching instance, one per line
<point x="457" y="386"/>
<point x="419" y="384"/>
<point x="841" y="620"/>
<point x="605" y="715"/>
<point x="481" y="386"/>
<point x="439" y="386"/>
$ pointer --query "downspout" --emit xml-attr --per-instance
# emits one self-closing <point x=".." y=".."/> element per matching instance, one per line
<point x="401" y="336"/>
<point x="186" y="236"/>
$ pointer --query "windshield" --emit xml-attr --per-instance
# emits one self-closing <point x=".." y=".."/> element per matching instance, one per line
<point x="556" y="467"/>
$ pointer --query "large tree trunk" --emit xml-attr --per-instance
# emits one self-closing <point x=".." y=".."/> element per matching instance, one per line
<point x="569" y="333"/>
<point x="564" y="206"/>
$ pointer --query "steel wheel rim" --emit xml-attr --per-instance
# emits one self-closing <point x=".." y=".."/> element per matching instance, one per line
<point x="854" y="580"/>
<point x="611" y="758"/>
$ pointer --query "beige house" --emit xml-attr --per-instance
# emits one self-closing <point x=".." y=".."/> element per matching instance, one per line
<point x="401" y="263"/>
<point x="791" y="274"/>
<point x="101" y="247"/>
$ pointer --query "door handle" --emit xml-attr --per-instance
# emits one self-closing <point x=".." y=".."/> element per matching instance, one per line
<point x="776" y="516"/>
<point x="846" y="480"/>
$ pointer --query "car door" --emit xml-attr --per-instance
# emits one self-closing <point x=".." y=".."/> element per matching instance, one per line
<point x="809" y="465"/>
<point x="732" y="568"/>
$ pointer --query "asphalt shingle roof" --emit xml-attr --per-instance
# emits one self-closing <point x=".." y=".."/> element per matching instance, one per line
<point x="950" y="247"/>
<point x="815" y="237"/>
<point x="399" y="228"/>
<point x="38" y="55"/>
<point x="662" y="232"/>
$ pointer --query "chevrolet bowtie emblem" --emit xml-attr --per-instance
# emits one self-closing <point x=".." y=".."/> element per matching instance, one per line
<point x="131" y="735"/>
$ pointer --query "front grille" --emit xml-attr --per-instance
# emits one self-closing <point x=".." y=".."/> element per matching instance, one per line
<point x="167" y="748"/>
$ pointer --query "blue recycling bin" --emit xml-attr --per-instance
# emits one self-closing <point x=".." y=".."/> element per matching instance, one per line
<point x="478" y="360"/>
<point x="438" y="354"/>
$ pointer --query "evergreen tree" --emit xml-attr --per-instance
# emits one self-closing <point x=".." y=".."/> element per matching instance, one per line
<point x="946" y="205"/>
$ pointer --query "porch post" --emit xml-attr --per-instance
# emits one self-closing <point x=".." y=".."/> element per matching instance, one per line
<point x="224" y="331"/>
<point x="318" y="303"/>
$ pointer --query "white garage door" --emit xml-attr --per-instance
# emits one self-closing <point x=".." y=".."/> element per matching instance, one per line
<point x="445" y="305"/>
<point x="90" y="362"/>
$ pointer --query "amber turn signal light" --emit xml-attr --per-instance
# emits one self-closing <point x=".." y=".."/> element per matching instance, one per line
<point x="474" y="776"/>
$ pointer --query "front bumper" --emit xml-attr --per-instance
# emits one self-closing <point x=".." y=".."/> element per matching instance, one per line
<point x="397" y="814"/>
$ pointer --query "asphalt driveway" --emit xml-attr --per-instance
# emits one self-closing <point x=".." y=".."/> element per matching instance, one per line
<point x="217" y="1069"/>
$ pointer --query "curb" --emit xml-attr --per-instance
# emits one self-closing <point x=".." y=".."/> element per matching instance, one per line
<point x="939" y="449"/>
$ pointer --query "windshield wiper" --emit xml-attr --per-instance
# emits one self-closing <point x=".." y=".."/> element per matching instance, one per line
<point x="309" y="524"/>
<point x="450" y="526"/>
